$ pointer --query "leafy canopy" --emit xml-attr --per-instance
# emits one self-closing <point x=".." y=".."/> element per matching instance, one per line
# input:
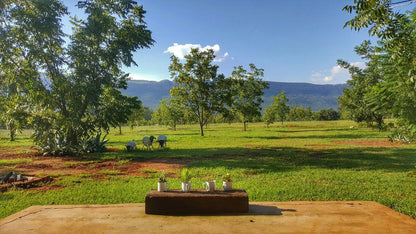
<point x="69" y="85"/>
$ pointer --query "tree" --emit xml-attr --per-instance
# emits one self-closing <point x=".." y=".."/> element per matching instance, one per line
<point x="282" y="109"/>
<point x="327" y="114"/>
<point x="198" y="86"/>
<point x="355" y="100"/>
<point x="394" y="57"/>
<point x="247" y="91"/>
<point x="67" y="97"/>
<point x="13" y="111"/>
<point x="170" y="112"/>
<point x="300" y="113"/>
<point x="115" y="110"/>
<point x="142" y="116"/>
<point x="269" y="115"/>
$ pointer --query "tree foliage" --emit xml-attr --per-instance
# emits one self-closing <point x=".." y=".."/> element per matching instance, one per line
<point x="393" y="58"/>
<point x="357" y="100"/>
<point x="280" y="104"/>
<point x="70" y="85"/>
<point x="300" y="113"/>
<point x="170" y="113"/>
<point x="269" y="115"/>
<point x="326" y="114"/>
<point x="199" y="87"/>
<point x="247" y="91"/>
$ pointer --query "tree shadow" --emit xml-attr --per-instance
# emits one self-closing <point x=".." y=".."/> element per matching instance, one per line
<point x="6" y="196"/>
<point x="278" y="159"/>
<point x="338" y="136"/>
<point x="286" y="159"/>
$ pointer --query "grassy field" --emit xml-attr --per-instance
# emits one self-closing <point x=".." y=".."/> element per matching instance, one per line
<point x="295" y="161"/>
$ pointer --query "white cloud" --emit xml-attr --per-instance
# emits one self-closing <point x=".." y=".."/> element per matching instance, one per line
<point x="180" y="50"/>
<point x="336" y="75"/>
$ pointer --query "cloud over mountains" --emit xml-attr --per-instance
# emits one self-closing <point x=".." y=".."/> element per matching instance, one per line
<point x="180" y="50"/>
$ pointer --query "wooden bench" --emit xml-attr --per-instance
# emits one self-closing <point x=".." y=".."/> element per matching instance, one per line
<point x="176" y="202"/>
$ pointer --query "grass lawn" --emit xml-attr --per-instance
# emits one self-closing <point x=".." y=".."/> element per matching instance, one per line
<point x="294" y="161"/>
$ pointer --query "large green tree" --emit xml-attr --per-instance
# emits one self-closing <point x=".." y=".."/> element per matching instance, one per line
<point x="199" y="87"/>
<point x="356" y="99"/>
<point x="247" y="91"/>
<point x="395" y="56"/>
<point x="67" y="83"/>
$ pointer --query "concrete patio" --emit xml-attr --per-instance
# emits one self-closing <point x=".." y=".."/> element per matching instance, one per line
<point x="263" y="217"/>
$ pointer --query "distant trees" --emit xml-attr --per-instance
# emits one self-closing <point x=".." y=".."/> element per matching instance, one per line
<point x="68" y="81"/>
<point x="300" y="113"/>
<point x="269" y="115"/>
<point x="169" y="112"/>
<point x="280" y="104"/>
<point x="280" y="111"/>
<point x="326" y="114"/>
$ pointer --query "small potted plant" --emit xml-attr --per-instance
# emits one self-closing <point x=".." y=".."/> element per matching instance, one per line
<point x="162" y="184"/>
<point x="186" y="180"/>
<point x="227" y="183"/>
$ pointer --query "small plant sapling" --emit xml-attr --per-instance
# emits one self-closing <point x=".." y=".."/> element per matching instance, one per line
<point x="227" y="183"/>
<point x="162" y="185"/>
<point x="186" y="180"/>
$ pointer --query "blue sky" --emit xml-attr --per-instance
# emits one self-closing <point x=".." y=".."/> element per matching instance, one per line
<point x="293" y="41"/>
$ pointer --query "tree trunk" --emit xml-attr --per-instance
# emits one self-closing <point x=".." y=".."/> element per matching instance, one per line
<point x="12" y="131"/>
<point x="245" y="127"/>
<point x="201" y="126"/>
<point x="119" y="129"/>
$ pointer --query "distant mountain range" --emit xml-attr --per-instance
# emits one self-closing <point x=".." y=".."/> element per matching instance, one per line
<point x="300" y="94"/>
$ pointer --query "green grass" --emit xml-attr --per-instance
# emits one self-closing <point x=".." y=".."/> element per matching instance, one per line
<point x="110" y="172"/>
<point x="296" y="161"/>
<point x="5" y="162"/>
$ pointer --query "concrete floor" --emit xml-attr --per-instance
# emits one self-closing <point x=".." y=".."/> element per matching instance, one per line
<point x="264" y="217"/>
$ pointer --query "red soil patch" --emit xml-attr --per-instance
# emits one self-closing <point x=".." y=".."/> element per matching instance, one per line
<point x="62" y="166"/>
<point x="18" y="155"/>
<point x="369" y="143"/>
<point x="45" y="165"/>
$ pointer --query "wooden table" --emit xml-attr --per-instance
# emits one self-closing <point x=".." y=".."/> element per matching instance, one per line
<point x="176" y="202"/>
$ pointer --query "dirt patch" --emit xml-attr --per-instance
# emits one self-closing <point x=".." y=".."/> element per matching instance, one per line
<point x="45" y="165"/>
<point x="375" y="143"/>
<point x="8" y="155"/>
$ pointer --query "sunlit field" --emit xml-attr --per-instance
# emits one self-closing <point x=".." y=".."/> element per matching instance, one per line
<point x="316" y="161"/>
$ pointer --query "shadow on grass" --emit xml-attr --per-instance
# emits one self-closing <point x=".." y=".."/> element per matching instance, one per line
<point x="4" y="197"/>
<point x="285" y="159"/>
<point x="278" y="159"/>
<point x="338" y="136"/>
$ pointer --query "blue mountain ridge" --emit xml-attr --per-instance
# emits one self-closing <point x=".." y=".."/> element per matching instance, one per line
<point x="316" y="96"/>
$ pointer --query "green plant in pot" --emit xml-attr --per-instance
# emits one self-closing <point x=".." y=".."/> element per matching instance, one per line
<point x="186" y="180"/>
<point x="227" y="183"/>
<point x="162" y="184"/>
